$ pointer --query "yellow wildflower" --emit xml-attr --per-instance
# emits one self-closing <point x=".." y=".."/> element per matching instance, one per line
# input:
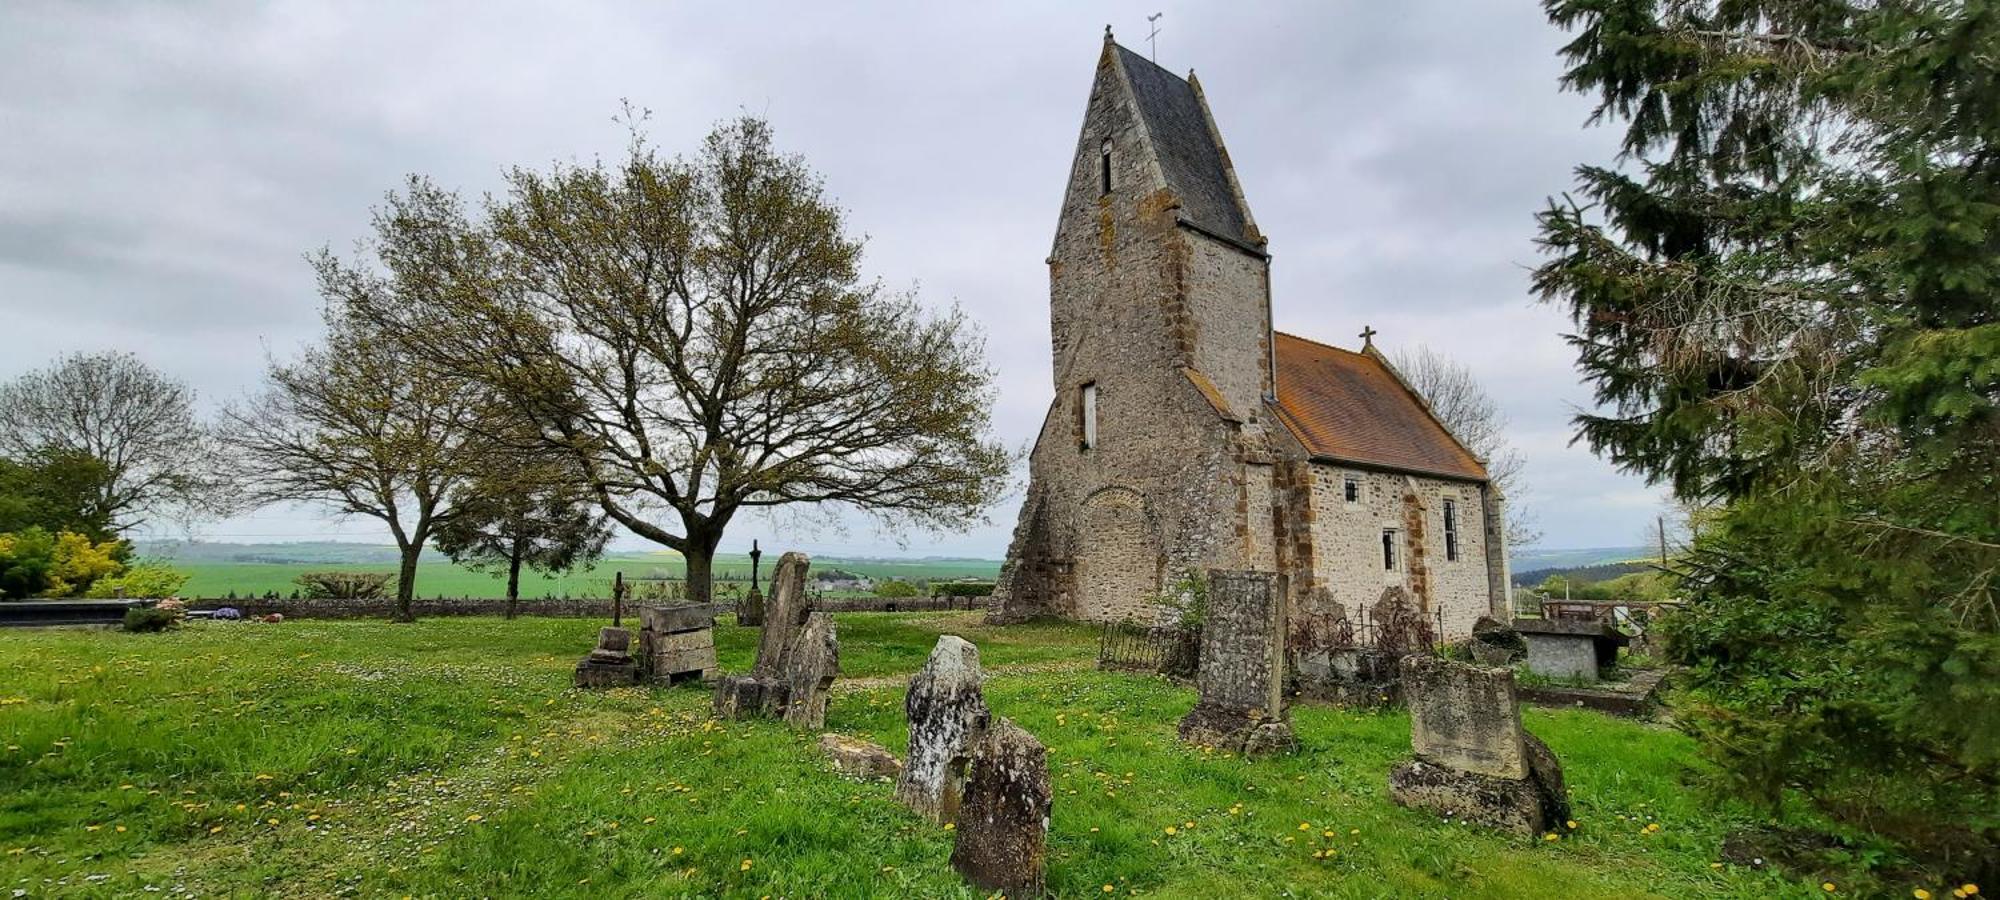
<point x="746" y="865"/>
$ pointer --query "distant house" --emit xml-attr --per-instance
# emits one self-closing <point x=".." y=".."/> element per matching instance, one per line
<point x="837" y="580"/>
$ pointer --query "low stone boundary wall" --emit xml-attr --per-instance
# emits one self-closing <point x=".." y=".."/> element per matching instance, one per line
<point x="594" y="608"/>
<point x="898" y="604"/>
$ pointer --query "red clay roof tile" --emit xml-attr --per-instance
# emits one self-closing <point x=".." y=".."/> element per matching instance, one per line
<point x="1348" y="407"/>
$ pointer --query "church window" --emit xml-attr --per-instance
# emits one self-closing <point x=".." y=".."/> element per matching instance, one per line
<point x="1352" y="488"/>
<point x="1451" y="530"/>
<point x="1087" y="409"/>
<point x="1388" y="549"/>
<point x="1104" y="168"/>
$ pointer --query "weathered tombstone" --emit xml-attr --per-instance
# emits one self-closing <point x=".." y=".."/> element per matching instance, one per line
<point x="677" y="643"/>
<point x="1474" y="761"/>
<point x="1242" y="706"/>
<point x="946" y="707"/>
<point x="784" y="612"/>
<point x="798" y="656"/>
<point x="1002" y="830"/>
<point x="750" y="610"/>
<point x="1570" y="648"/>
<point x="1495" y="644"/>
<point x="857" y="758"/>
<point x="811" y="663"/>
<point x="611" y="663"/>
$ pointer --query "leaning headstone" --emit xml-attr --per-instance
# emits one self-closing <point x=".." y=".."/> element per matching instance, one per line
<point x="611" y="663"/>
<point x="857" y="758"/>
<point x="784" y="613"/>
<point x="798" y="657"/>
<point x="1242" y="678"/>
<point x="1002" y="830"/>
<point x="811" y="663"/>
<point x="677" y="643"/>
<point x="1494" y="643"/>
<point x="947" y="711"/>
<point x="1474" y="761"/>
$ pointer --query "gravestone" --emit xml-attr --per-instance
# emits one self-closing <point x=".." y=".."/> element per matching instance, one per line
<point x="1001" y="841"/>
<point x="611" y="663"/>
<point x="784" y="613"/>
<point x="798" y="657"/>
<point x="677" y="643"/>
<point x="946" y="708"/>
<point x="750" y="609"/>
<point x="1570" y="648"/>
<point x="1242" y="670"/>
<point x="1474" y="761"/>
<point x="811" y="663"/>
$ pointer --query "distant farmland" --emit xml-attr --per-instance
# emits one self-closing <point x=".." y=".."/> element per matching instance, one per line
<point x="212" y="577"/>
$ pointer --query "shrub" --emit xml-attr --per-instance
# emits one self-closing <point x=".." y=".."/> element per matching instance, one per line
<point x="26" y="556"/>
<point x="896" y="588"/>
<point x="150" y="579"/>
<point x="961" y="588"/>
<point x="141" y="619"/>
<point x="227" y="614"/>
<point x="342" y="585"/>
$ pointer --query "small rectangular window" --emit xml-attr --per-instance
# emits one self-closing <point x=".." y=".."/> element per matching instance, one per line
<point x="1388" y="549"/>
<point x="1352" y="488"/>
<point x="1088" y="410"/>
<point x="1451" y="530"/>
<point x="1104" y="168"/>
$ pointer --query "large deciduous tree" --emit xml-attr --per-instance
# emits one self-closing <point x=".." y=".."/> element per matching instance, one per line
<point x="354" y="424"/>
<point x="1787" y="297"/>
<point x="695" y="335"/>
<point x="524" y="511"/>
<point x="157" y="458"/>
<point x="1475" y="418"/>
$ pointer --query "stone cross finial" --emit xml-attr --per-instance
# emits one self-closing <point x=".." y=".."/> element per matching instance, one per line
<point x="1368" y="334"/>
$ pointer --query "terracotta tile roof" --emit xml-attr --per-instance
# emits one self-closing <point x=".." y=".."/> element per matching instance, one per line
<point x="1348" y="407"/>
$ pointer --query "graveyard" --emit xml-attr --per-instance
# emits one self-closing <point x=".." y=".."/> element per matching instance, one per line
<point x="455" y="757"/>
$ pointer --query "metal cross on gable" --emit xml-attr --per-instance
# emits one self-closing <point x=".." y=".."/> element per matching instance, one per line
<point x="1153" y="38"/>
<point x="1368" y="334"/>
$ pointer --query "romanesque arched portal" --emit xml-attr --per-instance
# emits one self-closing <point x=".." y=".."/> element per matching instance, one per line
<point x="1117" y="558"/>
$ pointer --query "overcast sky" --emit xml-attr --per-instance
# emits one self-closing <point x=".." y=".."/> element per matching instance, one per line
<point x="164" y="167"/>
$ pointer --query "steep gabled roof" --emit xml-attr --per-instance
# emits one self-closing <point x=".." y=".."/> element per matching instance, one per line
<point x="1349" y="407"/>
<point x="1185" y="143"/>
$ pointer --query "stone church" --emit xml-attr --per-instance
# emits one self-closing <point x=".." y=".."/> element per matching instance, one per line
<point x="1187" y="434"/>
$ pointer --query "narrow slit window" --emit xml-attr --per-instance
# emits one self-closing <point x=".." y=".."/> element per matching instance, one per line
<point x="1087" y="409"/>
<point x="1104" y="168"/>
<point x="1388" y="549"/>
<point x="1451" y="530"/>
<point x="1351" y="488"/>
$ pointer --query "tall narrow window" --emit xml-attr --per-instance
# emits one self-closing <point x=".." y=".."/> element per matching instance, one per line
<point x="1388" y="549"/>
<point x="1087" y="409"/>
<point x="1104" y="168"/>
<point x="1451" y="530"/>
<point x="1351" y="487"/>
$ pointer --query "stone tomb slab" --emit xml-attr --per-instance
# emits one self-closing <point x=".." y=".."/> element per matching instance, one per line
<point x="1570" y="648"/>
<point x="1242" y="665"/>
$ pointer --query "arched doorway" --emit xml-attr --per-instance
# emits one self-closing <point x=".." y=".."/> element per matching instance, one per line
<point x="1117" y="558"/>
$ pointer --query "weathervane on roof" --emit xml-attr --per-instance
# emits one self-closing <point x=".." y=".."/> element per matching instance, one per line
<point x="1153" y="39"/>
<point x="1368" y="334"/>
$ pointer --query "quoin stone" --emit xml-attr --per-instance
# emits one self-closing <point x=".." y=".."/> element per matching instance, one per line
<point x="1184" y="433"/>
<point x="1474" y="761"/>
<point x="1242" y="674"/>
<point x="946" y="708"/>
<point x="1001" y="841"/>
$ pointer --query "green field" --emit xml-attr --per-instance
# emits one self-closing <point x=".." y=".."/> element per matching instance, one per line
<point x="439" y="576"/>
<point x="450" y="758"/>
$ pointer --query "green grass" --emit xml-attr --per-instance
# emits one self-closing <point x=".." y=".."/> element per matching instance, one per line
<point x="450" y="758"/>
<point x="437" y="575"/>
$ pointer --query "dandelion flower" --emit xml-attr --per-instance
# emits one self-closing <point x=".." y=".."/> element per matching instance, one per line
<point x="1921" y="894"/>
<point x="1549" y="837"/>
<point x="679" y="850"/>
<point x="475" y="817"/>
<point x="746" y="865"/>
<point x="1970" y="889"/>
<point x="1571" y="823"/>
<point x="948" y="826"/>
<point x="1827" y="886"/>
<point x="1110" y="890"/>
<point x="1305" y="826"/>
<point x="1170" y="830"/>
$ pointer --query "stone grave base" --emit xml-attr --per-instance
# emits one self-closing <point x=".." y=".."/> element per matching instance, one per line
<point x="1237" y="732"/>
<point x="1533" y="805"/>
<point x="602" y="673"/>
<point x="750" y="697"/>
<point x="857" y="758"/>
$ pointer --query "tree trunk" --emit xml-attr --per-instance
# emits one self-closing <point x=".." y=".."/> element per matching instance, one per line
<point x="700" y="556"/>
<point x="406" y="581"/>
<point x="514" y="583"/>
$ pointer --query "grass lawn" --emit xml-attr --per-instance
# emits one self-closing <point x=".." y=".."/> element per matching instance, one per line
<point x="450" y="758"/>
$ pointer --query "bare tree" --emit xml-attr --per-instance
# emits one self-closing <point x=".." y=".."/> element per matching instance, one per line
<point x="355" y="425"/>
<point x="111" y="407"/>
<point x="1472" y="416"/>
<point x="696" y="336"/>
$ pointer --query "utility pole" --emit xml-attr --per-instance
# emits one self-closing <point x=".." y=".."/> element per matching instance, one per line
<point x="1663" y="541"/>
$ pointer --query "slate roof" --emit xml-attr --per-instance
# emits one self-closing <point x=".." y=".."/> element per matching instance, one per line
<point x="1186" y="146"/>
<point x="1348" y="407"/>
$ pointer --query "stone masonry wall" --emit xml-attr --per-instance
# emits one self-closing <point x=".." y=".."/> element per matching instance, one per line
<point x="1347" y="553"/>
